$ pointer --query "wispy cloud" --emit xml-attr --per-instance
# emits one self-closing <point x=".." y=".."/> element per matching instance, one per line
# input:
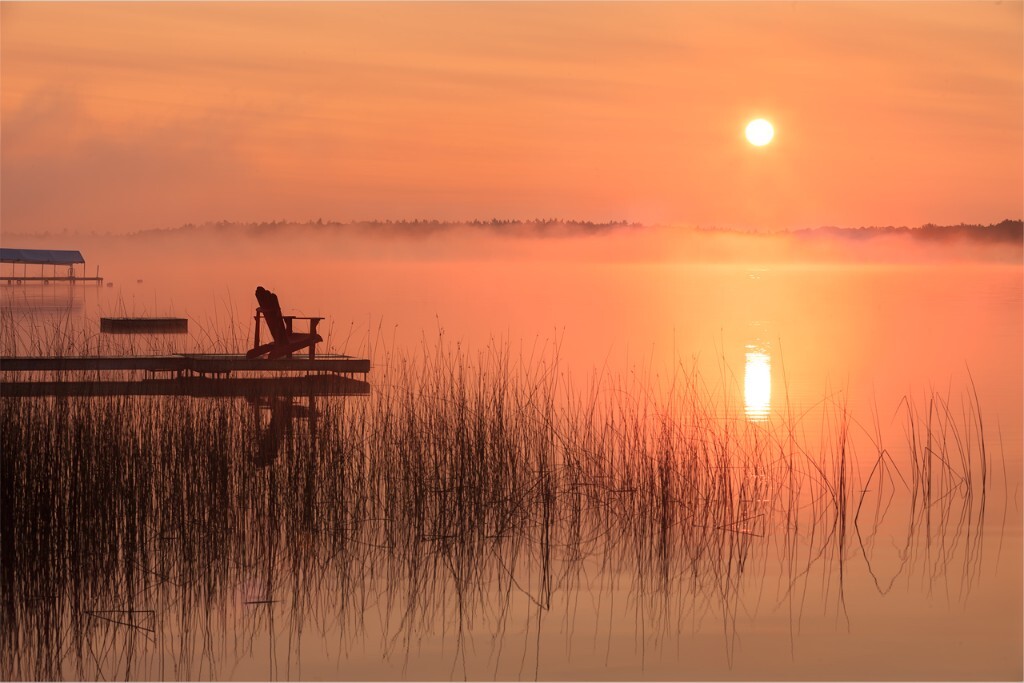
<point x="886" y="113"/>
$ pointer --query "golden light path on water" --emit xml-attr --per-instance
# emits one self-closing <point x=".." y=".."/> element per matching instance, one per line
<point x="757" y="383"/>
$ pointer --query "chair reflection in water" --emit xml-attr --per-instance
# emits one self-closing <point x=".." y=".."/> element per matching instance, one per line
<point x="285" y="340"/>
<point x="279" y="434"/>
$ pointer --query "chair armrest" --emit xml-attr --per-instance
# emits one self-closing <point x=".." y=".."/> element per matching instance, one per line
<point x="313" y="321"/>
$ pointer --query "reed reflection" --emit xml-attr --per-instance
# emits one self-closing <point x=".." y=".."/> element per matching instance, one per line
<point x="455" y="498"/>
<point x="757" y="383"/>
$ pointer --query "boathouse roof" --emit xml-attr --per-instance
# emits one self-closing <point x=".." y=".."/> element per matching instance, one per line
<point x="46" y="256"/>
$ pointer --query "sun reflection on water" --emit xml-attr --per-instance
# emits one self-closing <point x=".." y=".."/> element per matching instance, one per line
<point x="757" y="383"/>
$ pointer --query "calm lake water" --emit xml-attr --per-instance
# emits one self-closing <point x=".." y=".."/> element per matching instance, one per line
<point x="791" y="350"/>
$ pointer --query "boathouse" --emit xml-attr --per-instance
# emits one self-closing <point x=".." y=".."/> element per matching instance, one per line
<point x="49" y="261"/>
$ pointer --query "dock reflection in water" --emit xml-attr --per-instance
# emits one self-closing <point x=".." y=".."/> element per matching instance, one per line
<point x="38" y="298"/>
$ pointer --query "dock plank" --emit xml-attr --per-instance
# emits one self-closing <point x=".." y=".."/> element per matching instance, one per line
<point x="201" y="363"/>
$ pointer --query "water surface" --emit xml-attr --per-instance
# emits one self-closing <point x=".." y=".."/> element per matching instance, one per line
<point x="821" y="365"/>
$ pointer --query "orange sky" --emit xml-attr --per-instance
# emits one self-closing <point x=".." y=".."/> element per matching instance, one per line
<point x="125" y="116"/>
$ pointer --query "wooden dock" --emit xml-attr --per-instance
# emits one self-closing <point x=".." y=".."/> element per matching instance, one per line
<point x="54" y="258"/>
<point x="189" y="375"/>
<point x="200" y="363"/>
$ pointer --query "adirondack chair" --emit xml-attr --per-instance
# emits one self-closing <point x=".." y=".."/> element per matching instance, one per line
<point x="286" y="341"/>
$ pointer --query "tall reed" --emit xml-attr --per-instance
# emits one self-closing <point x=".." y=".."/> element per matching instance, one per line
<point x="466" y="490"/>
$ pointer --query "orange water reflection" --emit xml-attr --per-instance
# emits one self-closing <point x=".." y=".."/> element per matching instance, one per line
<point x="877" y="332"/>
<point x="757" y="383"/>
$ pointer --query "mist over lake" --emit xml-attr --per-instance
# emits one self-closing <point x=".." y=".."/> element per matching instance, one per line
<point x="611" y="453"/>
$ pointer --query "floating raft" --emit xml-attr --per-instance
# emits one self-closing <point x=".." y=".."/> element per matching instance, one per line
<point x="144" y="325"/>
<point x="192" y="375"/>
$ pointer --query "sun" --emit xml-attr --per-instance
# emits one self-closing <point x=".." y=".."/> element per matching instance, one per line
<point x="760" y="132"/>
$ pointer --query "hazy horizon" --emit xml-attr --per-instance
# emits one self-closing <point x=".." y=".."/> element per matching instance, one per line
<point x="530" y="241"/>
<point x="135" y="116"/>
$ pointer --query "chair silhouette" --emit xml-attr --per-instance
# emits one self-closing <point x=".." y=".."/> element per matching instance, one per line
<point x="286" y="341"/>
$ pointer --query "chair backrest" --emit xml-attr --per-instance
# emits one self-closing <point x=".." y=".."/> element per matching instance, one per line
<point x="271" y="310"/>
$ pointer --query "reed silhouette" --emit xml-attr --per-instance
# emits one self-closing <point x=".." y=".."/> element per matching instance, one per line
<point x="139" y="533"/>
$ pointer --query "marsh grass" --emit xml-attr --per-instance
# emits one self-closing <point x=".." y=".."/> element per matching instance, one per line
<point x="66" y="334"/>
<point x="145" y="537"/>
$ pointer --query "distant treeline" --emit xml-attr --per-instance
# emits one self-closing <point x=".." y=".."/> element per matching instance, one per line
<point x="535" y="227"/>
<point x="1006" y="231"/>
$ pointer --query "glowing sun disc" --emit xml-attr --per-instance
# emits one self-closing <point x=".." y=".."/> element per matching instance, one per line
<point x="760" y="132"/>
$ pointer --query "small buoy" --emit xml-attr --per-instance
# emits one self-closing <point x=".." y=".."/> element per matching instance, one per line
<point x="139" y="281"/>
<point x="110" y="284"/>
